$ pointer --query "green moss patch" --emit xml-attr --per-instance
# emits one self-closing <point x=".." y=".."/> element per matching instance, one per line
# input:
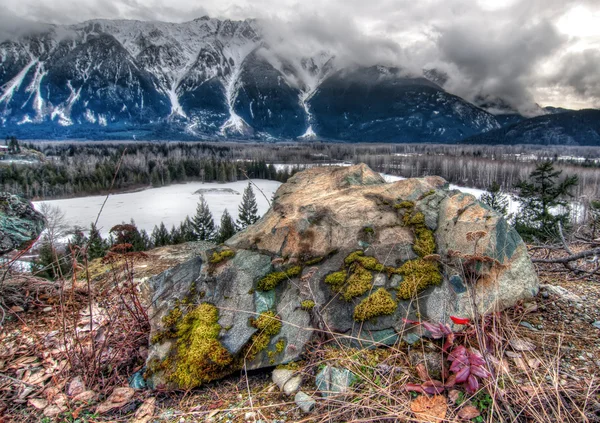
<point x="418" y="275"/>
<point x="268" y="325"/>
<point x="272" y="280"/>
<point x="369" y="263"/>
<point x="358" y="283"/>
<point x="336" y="280"/>
<point x="307" y="305"/>
<point x="379" y="303"/>
<point x="200" y="356"/>
<point x="218" y="257"/>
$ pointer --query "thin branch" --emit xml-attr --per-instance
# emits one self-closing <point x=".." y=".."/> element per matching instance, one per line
<point x="570" y="258"/>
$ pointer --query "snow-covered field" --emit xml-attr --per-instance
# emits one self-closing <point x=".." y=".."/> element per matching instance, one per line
<point x="169" y="204"/>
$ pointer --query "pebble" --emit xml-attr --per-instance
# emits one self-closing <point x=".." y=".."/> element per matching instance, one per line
<point x="250" y="415"/>
<point x="596" y="324"/>
<point x="528" y="326"/>
<point x="305" y="402"/>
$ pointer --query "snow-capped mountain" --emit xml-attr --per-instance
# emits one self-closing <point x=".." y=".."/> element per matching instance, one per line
<point x="211" y="78"/>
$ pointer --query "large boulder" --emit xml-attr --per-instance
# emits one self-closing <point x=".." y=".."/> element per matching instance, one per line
<point x="20" y="223"/>
<point x="341" y="253"/>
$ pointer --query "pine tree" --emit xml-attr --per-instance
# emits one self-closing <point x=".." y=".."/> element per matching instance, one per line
<point x="97" y="247"/>
<point x="227" y="228"/>
<point x="203" y="223"/>
<point x="248" y="210"/>
<point x="160" y="236"/>
<point x="186" y="229"/>
<point x="543" y="206"/>
<point x="495" y="198"/>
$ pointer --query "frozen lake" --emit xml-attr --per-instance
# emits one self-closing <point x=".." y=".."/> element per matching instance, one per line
<point x="169" y="204"/>
<point x="173" y="203"/>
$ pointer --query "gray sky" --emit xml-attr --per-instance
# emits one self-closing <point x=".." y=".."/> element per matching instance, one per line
<point x="545" y="51"/>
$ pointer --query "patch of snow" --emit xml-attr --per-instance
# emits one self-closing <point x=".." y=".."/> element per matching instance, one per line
<point x="14" y="84"/>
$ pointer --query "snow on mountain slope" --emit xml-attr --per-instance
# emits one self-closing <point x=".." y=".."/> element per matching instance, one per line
<point x="198" y="79"/>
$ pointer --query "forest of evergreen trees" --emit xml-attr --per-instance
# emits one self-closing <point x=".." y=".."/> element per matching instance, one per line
<point x="84" y="168"/>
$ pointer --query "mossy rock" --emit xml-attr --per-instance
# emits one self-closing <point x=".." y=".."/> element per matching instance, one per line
<point x="379" y="303"/>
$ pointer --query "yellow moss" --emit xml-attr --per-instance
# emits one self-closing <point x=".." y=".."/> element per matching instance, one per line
<point x="313" y="261"/>
<point x="369" y="263"/>
<point x="424" y="242"/>
<point x="359" y="282"/>
<point x="172" y="317"/>
<point x="268" y="325"/>
<point x="404" y="205"/>
<point x="221" y="256"/>
<point x="417" y="219"/>
<point x="418" y="275"/>
<point x="307" y="305"/>
<point x="377" y="304"/>
<point x="272" y="280"/>
<point x="280" y="346"/>
<point x="200" y="356"/>
<point x="336" y="280"/>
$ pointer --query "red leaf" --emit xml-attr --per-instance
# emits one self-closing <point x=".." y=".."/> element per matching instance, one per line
<point x="472" y="384"/>
<point x="435" y="331"/>
<point x="409" y="322"/>
<point x="480" y="371"/>
<point x="463" y="374"/>
<point x="460" y="320"/>
<point x="411" y="387"/>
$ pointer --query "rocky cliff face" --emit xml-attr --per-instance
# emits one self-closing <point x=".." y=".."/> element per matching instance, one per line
<point x="340" y="253"/>
<point x="19" y="222"/>
<point x="209" y="78"/>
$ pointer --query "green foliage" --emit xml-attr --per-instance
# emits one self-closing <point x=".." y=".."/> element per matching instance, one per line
<point x="495" y="198"/>
<point x="97" y="247"/>
<point x="377" y="304"/>
<point x="227" y="228"/>
<point x="200" y="356"/>
<point x="248" y="209"/>
<point x="203" y="224"/>
<point x="160" y="236"/>
<point x="272" y="280"/>
<point x="543" y="204"/>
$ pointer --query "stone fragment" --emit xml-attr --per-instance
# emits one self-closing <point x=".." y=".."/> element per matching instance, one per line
<point x="305" y="402"/>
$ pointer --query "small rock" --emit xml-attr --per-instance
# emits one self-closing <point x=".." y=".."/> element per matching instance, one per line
<point x="411" y="338"/>
<point x="562" y="293"/>
<point x="281" y="376"/>
<point x="136" y="381"/>
<point x="596" y="324"/>
<point x="305" y="402"/>
<point x="528" y="326"/>
<point x="76" y="387"/>
<point x="250" y="415"/>
<point x="47" y="309"/>
<point x="293" y="385"/>
<point x="331" y="380"/>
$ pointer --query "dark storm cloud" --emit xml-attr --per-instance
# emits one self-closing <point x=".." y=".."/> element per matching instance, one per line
<point x="488" y="48"/>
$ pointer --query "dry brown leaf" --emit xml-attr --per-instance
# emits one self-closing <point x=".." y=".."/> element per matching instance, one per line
<point x="422" y="372"/>
<point x="521" y="344"/>
<point x="118" y="398"/>
<point x="468" y="412"/>
<point x="76" y="387"/>
<point x="521" y="364"/>
<point x="37" y="403"/>
<point x="146" y="411"/>
<point x="86" y="396"/>
<point x="534" y="363"/>
<point x="430" y="409"/>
